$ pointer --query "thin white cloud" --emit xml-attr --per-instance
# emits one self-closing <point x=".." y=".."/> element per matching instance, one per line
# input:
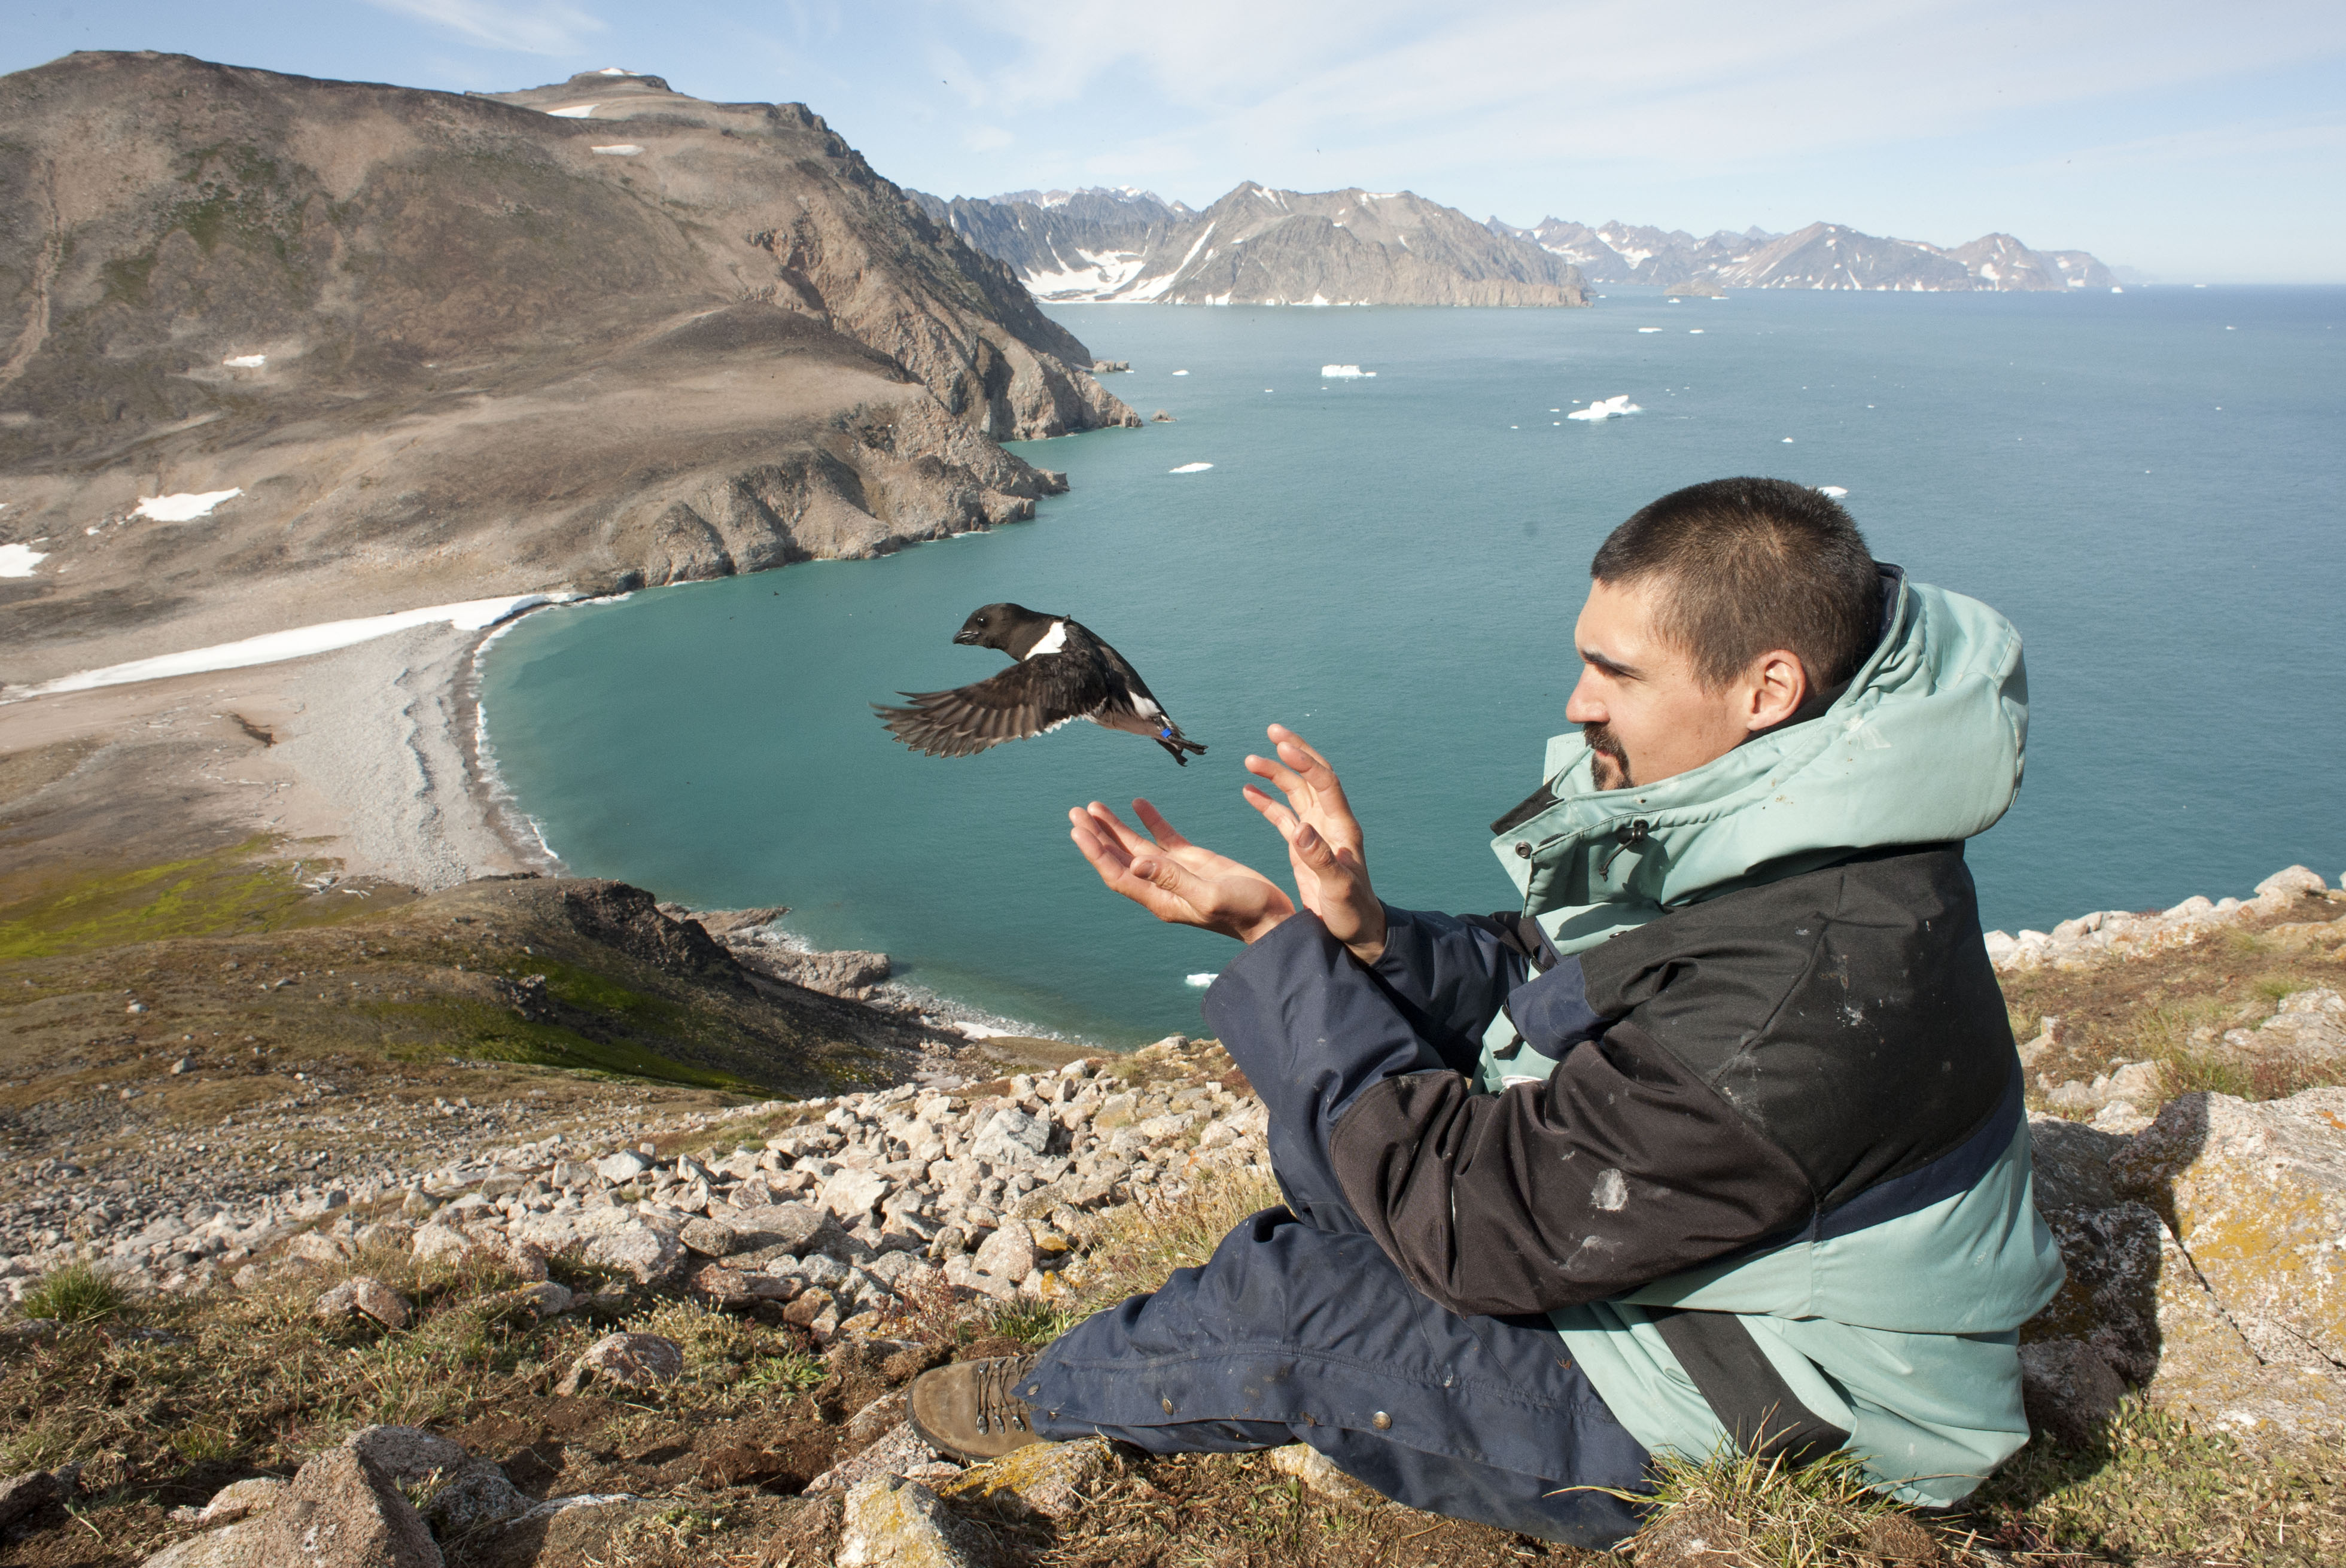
<point x="538" y="27"/>
<point x="1485" y="80"/>
<point x="2267" y="139"/>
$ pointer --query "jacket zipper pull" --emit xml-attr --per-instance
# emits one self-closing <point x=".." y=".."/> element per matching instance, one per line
<point x="1627" y="837"/>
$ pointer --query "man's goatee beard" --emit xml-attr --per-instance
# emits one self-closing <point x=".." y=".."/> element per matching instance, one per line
<point x="1609" y="759"/>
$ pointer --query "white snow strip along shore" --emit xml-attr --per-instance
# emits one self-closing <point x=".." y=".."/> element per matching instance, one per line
<point x="273" y="647"/>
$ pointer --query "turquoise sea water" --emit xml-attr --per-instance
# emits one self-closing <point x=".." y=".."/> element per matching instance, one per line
<point x="2148" y="485"/>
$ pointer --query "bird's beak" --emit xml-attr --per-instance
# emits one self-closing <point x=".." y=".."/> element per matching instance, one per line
<point x="966" y="634"/>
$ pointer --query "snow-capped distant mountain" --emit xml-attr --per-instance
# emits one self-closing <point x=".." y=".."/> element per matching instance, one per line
<point x="1258" y="244"/>
<point x="1822" y="256"/>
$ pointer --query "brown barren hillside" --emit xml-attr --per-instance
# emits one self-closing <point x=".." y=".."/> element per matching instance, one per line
<point x="446" y="347"/>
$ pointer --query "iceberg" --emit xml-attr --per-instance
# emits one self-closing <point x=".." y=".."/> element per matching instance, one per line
<point x="1650" y="329"/>
<point x="1346" y="372"/>
<point x="1835" y="491"/>
<point x="1201" y="981"/>
<point x="1191" y="468"/>
<point x="1606" y="408"/>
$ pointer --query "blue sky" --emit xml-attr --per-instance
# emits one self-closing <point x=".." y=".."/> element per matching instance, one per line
<point x="2194" y="142"/>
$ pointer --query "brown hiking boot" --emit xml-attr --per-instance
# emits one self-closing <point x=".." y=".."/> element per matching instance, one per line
<point x="971" y="1409"/>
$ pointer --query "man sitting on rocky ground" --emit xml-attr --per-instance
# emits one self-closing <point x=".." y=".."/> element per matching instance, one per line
<point x="1717" y="1140"/>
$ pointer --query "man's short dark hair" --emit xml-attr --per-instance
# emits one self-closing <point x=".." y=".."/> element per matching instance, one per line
<point x="1750" y="565"/>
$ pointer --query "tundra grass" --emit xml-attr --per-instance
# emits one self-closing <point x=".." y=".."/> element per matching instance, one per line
<point x="50" y="912"/>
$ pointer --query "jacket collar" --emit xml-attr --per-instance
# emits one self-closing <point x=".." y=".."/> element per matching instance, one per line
<point x="1924" y="745"/>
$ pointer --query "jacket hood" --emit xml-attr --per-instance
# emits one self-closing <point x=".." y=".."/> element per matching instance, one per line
<point x="1924" y="746"/>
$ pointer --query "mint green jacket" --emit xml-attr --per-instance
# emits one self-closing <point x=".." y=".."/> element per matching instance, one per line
<point x="1904" y="1333"/>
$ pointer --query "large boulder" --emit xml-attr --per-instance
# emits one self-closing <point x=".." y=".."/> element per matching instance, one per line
<point x="342" y="1512"/>
<point x="2256" y="1193"/>
<point x="1050" y="1479"/>
<point x="2203" y="1266"/>
<point x="460" y="1490"/>
<point x="892" y="1522"/>
<point x="639" y="1361"/>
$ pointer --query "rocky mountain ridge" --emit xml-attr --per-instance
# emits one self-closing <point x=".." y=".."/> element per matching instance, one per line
<point x="1821" y="256"/>
<point x="1123" y="244"/>
<point x="281" y="350"/>
<point x="1257" y="246"/>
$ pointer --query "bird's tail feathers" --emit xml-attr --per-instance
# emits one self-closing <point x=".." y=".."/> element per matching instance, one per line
<point x="1174" y="743"/>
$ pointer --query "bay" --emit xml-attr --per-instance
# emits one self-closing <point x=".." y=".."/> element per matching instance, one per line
<point x="2148" y="485"/>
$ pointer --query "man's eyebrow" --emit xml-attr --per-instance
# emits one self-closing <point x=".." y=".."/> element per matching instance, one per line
<point x="1612" y="667"/>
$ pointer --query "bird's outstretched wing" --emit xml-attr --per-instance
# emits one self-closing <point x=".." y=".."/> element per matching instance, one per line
<point x="1024" y="700"/>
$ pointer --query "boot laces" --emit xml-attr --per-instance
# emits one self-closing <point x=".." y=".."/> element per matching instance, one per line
<point x="998" y="1409"/>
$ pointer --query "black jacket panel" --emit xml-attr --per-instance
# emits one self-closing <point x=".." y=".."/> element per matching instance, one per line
<point x="1619" y="1168"/>
<point x="1850" y="1014"/>
<point x="1760" y="1059"/>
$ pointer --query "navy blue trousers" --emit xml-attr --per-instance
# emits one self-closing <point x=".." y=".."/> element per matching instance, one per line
<point x="1299" y="1328"/>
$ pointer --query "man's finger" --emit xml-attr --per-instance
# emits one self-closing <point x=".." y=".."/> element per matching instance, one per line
<point x="1314" y="769"/>
<point x="1286" y="778"/>
<point x="1280" y="817"/>
<point x="1109" y="860"/>
<point x="1163" y="832"/>
<point x="1170" y="880"/>
<point x="1281" y="736"/>
<point x="1108" y="825"/>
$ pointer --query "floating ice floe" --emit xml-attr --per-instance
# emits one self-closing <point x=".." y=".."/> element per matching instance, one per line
<point x="245" y="361"/>
<point x="274" y="648"/>
<point x="1606" y="408"/>
<point x="1835" y="491"/>
<point x="1787" y="441"/>
<point x="1694" y="332"/>
<point x="619" y="149"/>
<point x="1201" y="981"/>
<point x="1191" y="468"/>
<point x="1180" y="373"/>
<point x="18" y="560"/>
<point x="183" y="508"/>
<point x="1343" y="372"/>
<point x="1650" y="329"/>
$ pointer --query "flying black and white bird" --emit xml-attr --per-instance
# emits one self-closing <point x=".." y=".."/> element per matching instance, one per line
<point x="1064" y="672"/>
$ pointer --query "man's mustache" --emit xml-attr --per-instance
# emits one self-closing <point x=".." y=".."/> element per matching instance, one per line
<point x="1600" y="738"/>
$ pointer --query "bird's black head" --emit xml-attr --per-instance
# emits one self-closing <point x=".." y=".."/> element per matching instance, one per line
<point x="990" y="625"/>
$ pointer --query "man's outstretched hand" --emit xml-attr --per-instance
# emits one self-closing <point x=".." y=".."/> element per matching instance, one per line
<point x="1175" y="880"/>
<point x="1324" y="844"/>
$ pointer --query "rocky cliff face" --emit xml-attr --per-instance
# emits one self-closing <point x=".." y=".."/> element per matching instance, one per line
<point x="1822" y="256"/>
<point x="442" y="346"/>
<point x="1258" y="246"/>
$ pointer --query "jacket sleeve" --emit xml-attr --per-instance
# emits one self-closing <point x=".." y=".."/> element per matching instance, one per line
<point x="1619" y="1169"/>
<point x="1449" y="974"/>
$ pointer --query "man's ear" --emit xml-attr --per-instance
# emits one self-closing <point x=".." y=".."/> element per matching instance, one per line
<point x="1775" y="688"/>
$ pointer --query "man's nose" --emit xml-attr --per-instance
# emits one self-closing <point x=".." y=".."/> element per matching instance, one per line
<point x="1584" y="707"/>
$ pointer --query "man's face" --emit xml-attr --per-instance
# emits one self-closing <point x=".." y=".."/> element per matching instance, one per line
<point x="1643" y="713"/>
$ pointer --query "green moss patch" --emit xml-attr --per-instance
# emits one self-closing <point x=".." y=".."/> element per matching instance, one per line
<point x="54" y="911"/>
